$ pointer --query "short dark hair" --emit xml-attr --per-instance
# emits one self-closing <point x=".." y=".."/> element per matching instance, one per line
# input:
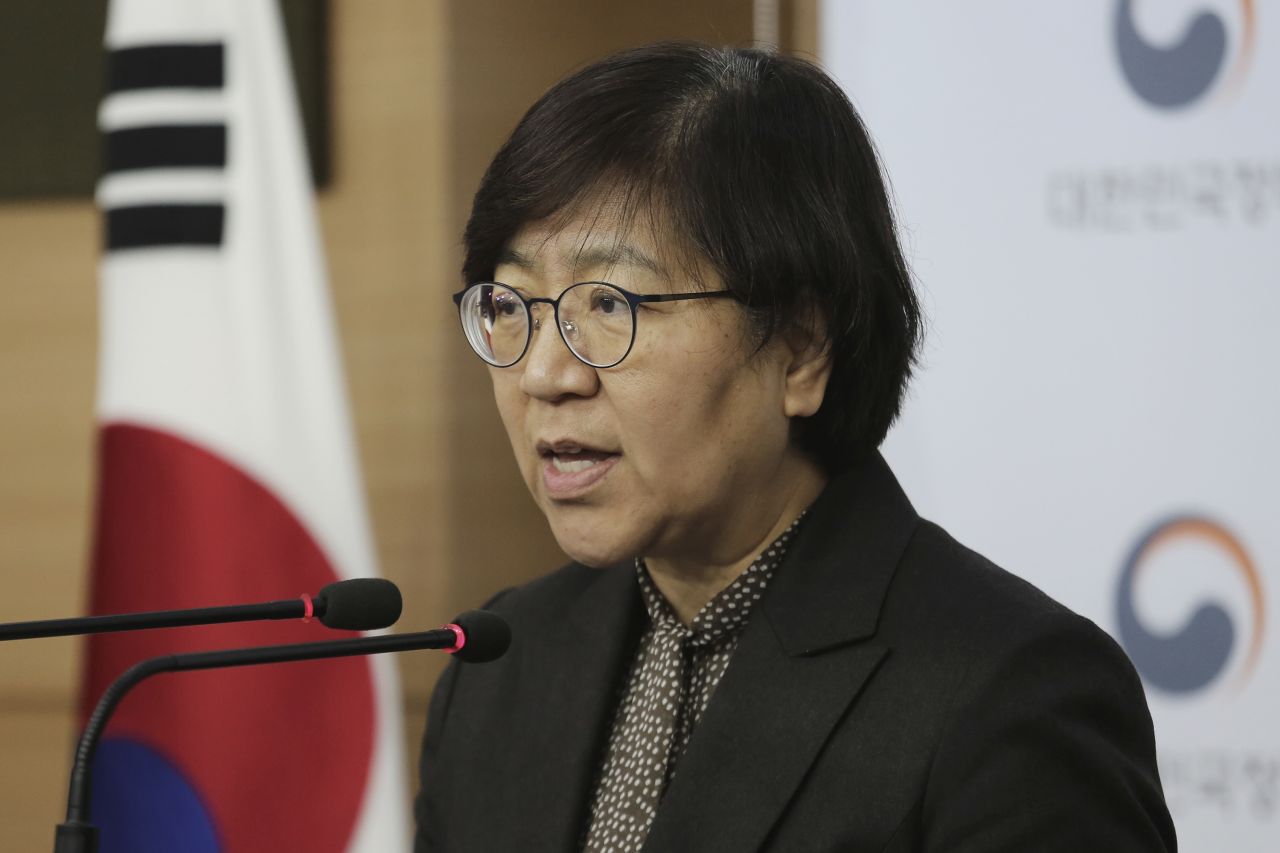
<point x="764" y="167"/>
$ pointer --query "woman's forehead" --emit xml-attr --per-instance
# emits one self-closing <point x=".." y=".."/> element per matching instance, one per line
<point x="549" y="257"/>
<point x="600" y="239"/>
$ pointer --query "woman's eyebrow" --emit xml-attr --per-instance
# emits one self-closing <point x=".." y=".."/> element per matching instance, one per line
<point x="618" y="254"/>
<point x="594" y="257"/>
<point x="508" y="255"/>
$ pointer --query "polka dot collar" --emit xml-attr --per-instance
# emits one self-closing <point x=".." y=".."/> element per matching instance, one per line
<point x="726" y="614"/>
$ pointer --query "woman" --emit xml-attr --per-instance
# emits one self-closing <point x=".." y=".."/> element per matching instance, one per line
<point x="683" y="271"/>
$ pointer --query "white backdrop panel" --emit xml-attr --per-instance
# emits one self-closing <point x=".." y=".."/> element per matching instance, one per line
<point x="1100" y="275"/>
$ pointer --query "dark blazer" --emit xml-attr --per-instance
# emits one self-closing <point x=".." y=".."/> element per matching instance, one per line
<point x="897" y="692"/>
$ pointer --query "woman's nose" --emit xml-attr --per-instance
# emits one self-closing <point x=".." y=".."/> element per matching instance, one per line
<point x="551" y="370"/>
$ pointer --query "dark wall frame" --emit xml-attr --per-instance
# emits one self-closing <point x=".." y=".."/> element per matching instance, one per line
<point x="51" y="71"/>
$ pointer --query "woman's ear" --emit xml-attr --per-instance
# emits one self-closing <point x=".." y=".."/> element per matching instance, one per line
<point x="808" y="370"/>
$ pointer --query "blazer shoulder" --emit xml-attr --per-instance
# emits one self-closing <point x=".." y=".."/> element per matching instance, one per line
<point x="1026" y="689"/>
<point x="977" y="608"/>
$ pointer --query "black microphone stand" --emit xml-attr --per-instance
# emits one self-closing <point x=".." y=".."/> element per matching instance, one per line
<point x="292" y="608"/>
<point x="77" y="834"/>
<point x="354" y="604"/>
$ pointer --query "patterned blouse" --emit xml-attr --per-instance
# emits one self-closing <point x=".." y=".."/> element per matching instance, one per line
<point x="674" y="673"/>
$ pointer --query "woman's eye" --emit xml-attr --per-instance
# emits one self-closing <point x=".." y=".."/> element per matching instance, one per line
<point x="606" y="303"/>
<point x="505" y="306"/>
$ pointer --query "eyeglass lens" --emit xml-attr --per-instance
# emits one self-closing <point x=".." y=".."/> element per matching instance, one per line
<point x="595" y="322"/>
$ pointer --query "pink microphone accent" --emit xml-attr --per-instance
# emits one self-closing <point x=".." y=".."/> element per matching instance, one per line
<point x="462" y="639"/>
<point x="310" y="607"/>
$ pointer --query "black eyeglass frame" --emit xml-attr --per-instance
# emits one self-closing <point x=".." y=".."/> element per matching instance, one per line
<point x="633" y="300"/>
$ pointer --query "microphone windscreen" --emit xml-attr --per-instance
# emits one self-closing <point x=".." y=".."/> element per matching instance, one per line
<point x="487" y="633"/>
<point x="361" y="604"/>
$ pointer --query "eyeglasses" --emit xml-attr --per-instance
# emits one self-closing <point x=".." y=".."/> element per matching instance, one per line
<point x="597" y="320"/>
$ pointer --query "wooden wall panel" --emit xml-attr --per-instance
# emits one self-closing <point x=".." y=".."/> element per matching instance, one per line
<point x="36" y="741"/>
<point x="48" y="348"/>
<point x="387" y="245"/>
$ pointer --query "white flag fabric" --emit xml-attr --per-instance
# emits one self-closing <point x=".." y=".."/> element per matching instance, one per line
<point x="227" y="465"/>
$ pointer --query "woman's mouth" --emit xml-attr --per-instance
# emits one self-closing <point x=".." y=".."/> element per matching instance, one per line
<point x="573" y="464"/>
<point x="570" y="472"/>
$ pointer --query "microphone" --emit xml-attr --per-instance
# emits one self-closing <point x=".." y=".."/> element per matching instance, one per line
<point x="358" y="604"/>
<point x="477" y="636"/>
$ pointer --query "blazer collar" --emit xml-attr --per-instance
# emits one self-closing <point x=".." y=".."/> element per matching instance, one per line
<point x="833" y="581"/>
<point x="582" y="660"/>
<point x="831" y="584"/>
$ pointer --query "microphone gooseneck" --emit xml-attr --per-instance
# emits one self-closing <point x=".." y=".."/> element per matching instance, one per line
<point x="476" y="636"/>
<point x="358" y="604"/>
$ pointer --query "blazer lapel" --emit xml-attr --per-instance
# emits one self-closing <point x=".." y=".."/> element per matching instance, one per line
<point x="581" y="660"/>
<point x="799" y="666"/>
<point x="763" y="729"/>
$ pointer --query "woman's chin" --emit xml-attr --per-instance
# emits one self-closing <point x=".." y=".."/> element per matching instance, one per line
<point x="590" y="535"/>
<point x="590" y="550"/>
